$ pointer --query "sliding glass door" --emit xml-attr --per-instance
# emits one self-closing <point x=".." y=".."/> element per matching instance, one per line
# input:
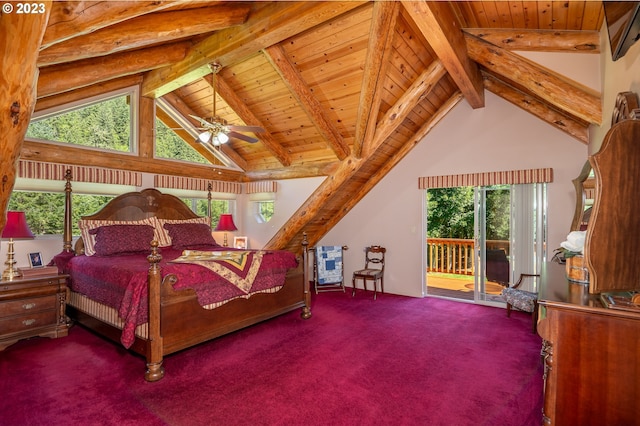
<point x="480" y="238"/>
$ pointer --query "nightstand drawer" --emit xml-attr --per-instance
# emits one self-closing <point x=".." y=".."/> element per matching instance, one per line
<point x="28" y="306"/>
<point x="27" y="321"/>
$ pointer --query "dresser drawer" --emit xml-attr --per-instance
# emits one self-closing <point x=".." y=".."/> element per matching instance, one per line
<point x="28" y="321"/>
<point x="26" y="306"/>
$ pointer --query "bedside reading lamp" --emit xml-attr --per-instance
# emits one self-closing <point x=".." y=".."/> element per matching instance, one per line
<point x="226" y="224"/>
<point x="15" y="228"/>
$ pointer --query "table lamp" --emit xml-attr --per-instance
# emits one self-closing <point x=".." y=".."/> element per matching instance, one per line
<point x="226" y="224"/>
<point x="18" y="229"/>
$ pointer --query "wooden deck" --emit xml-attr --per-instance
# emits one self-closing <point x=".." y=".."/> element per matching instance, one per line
<point x="457" y="286"/>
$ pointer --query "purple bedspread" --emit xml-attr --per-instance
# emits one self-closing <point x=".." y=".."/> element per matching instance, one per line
<point x="121" y="281"/>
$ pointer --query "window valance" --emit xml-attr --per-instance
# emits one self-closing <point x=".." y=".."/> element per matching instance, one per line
<point x="51" y="171"/>
<point x="178" y="182"/>
<point x="510" y="177"/>
<point x="262" y="187"/>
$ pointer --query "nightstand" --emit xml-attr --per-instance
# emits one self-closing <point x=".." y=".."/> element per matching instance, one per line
<point x="33" y="306"/>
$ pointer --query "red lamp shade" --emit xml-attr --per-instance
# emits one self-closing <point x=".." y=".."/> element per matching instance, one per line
<point x="226" y="223"/>
<point x="16" y="226"/>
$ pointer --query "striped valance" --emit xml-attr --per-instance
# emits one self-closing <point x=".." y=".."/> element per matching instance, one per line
<point x="510" y="177"/>
<point x="50" y="171"/>
<point x="193" y="184"/>
<point x="261" y="187"/>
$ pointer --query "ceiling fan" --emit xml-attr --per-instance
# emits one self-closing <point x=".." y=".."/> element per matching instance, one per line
<point x="215" y="129"/>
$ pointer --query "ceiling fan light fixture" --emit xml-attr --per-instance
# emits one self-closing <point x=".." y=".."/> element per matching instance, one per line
<point x="222" y="137"/>
<point x="204" y="137"/>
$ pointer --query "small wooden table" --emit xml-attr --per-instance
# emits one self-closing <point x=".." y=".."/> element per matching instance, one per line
<point x="32" y="307"/>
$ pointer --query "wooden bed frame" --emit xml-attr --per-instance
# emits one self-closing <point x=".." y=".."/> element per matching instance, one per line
<point x="176" y="321"/>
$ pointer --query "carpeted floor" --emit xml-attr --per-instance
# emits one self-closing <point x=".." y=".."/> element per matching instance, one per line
<point x="396" y="360"/>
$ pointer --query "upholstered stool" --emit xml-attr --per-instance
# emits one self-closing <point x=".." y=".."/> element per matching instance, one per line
<point x="522" y="300"/>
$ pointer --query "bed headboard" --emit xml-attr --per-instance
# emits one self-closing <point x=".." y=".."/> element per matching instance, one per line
<point x="144" y="204"/>
<point x="130" y="206"/>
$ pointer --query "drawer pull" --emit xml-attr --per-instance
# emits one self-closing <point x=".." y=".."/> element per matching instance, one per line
<point x="28" y="306"/>
<point x="29" y="322"/>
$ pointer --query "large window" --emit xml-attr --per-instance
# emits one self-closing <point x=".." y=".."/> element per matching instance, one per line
<point x="104" y="122"/>
<point x="45" y="210"/>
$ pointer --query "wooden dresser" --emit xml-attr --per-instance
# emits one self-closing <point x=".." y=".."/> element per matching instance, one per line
<point x="591" y="355"/>
<point x="32" y="307"/>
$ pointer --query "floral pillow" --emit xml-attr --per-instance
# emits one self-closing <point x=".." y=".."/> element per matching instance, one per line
<point x="122" y="239"/>
<point x="164" y="239"/>
<point x="188" y="235"/>
<point x="86" y="225"/>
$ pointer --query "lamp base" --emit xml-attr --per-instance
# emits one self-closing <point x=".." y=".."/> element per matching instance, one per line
<point x="11" y="272"/>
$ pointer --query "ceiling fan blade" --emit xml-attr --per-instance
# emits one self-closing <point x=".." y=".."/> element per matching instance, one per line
<point x="243" y="137"/>
<point x="252" y="129"/>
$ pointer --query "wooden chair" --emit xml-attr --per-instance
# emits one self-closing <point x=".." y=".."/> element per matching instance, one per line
<point x="522" y="300"/>
<point x="373" y="269"/>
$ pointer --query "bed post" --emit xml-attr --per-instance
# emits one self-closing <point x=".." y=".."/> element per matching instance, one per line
<point x="155" y="370"/>
<point x="67" y="235"/>
<point x="306" y="309"/>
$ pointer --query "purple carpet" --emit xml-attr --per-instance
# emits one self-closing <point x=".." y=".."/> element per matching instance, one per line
<point x="396" y="360"/>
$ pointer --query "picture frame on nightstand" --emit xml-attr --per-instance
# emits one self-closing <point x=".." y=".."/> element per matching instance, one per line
<point x="35" y="260"/>
<point x="240" y="243"/>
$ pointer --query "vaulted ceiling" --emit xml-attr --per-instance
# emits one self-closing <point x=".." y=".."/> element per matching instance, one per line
<point x="343" y="89"/>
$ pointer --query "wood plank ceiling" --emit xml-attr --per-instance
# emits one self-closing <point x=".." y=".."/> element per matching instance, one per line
<point x="343" y="90"/>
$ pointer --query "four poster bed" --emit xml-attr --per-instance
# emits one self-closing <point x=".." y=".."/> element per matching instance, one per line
<point x="147" y="272"/>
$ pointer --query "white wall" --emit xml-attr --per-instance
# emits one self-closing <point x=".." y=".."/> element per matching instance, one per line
<point x="497" y="137"/>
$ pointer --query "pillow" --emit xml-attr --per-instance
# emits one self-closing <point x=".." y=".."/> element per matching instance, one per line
<point x="184" y="235"/>
<point x="122" y="239"/>
<point x="87" y="225"/>
<point x="165" y="238"/>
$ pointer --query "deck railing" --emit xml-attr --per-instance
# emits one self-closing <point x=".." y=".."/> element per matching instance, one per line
<point x="456" y="255"/>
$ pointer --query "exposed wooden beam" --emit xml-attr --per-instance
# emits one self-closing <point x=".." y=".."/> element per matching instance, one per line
<point x="245" y="114"/>
<point x="143" y="31"/>
<point x="61" y="78"/>
<point x="271" y="23"/>
<point x="20" y="38"/>
<point x="307" y="100"/>
<point x="440" y="27"/>
<point x="294" y="171"/>
<point x="178" y="104"/>
<point x="540" y="40"/>
<point x="61" y="154"/>
<point x="539" y="109"/>
<point x="385" y="15"/>
<point x="418" y="90"/>
<point x="73" y="18"/>
<point x="567" y="95"/>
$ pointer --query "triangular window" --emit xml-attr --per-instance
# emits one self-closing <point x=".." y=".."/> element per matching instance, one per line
<point x="104" y="122"/>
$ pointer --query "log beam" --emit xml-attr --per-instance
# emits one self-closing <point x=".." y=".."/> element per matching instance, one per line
<point x="565" y="94"/>
<point x="61" y="154"/>
<point x="271" y="23"/>
<point x="418" y="90"/>
<point x="385" y="15"/>
<point x="143" y="31"/>
<point x="73" y="18"/>
<point x="307" y="100"/>
<point x="20" y="39"/>
<point x="61" y="78"/>
<point x="441" y="28"/>
<point x="540" y="40"/>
